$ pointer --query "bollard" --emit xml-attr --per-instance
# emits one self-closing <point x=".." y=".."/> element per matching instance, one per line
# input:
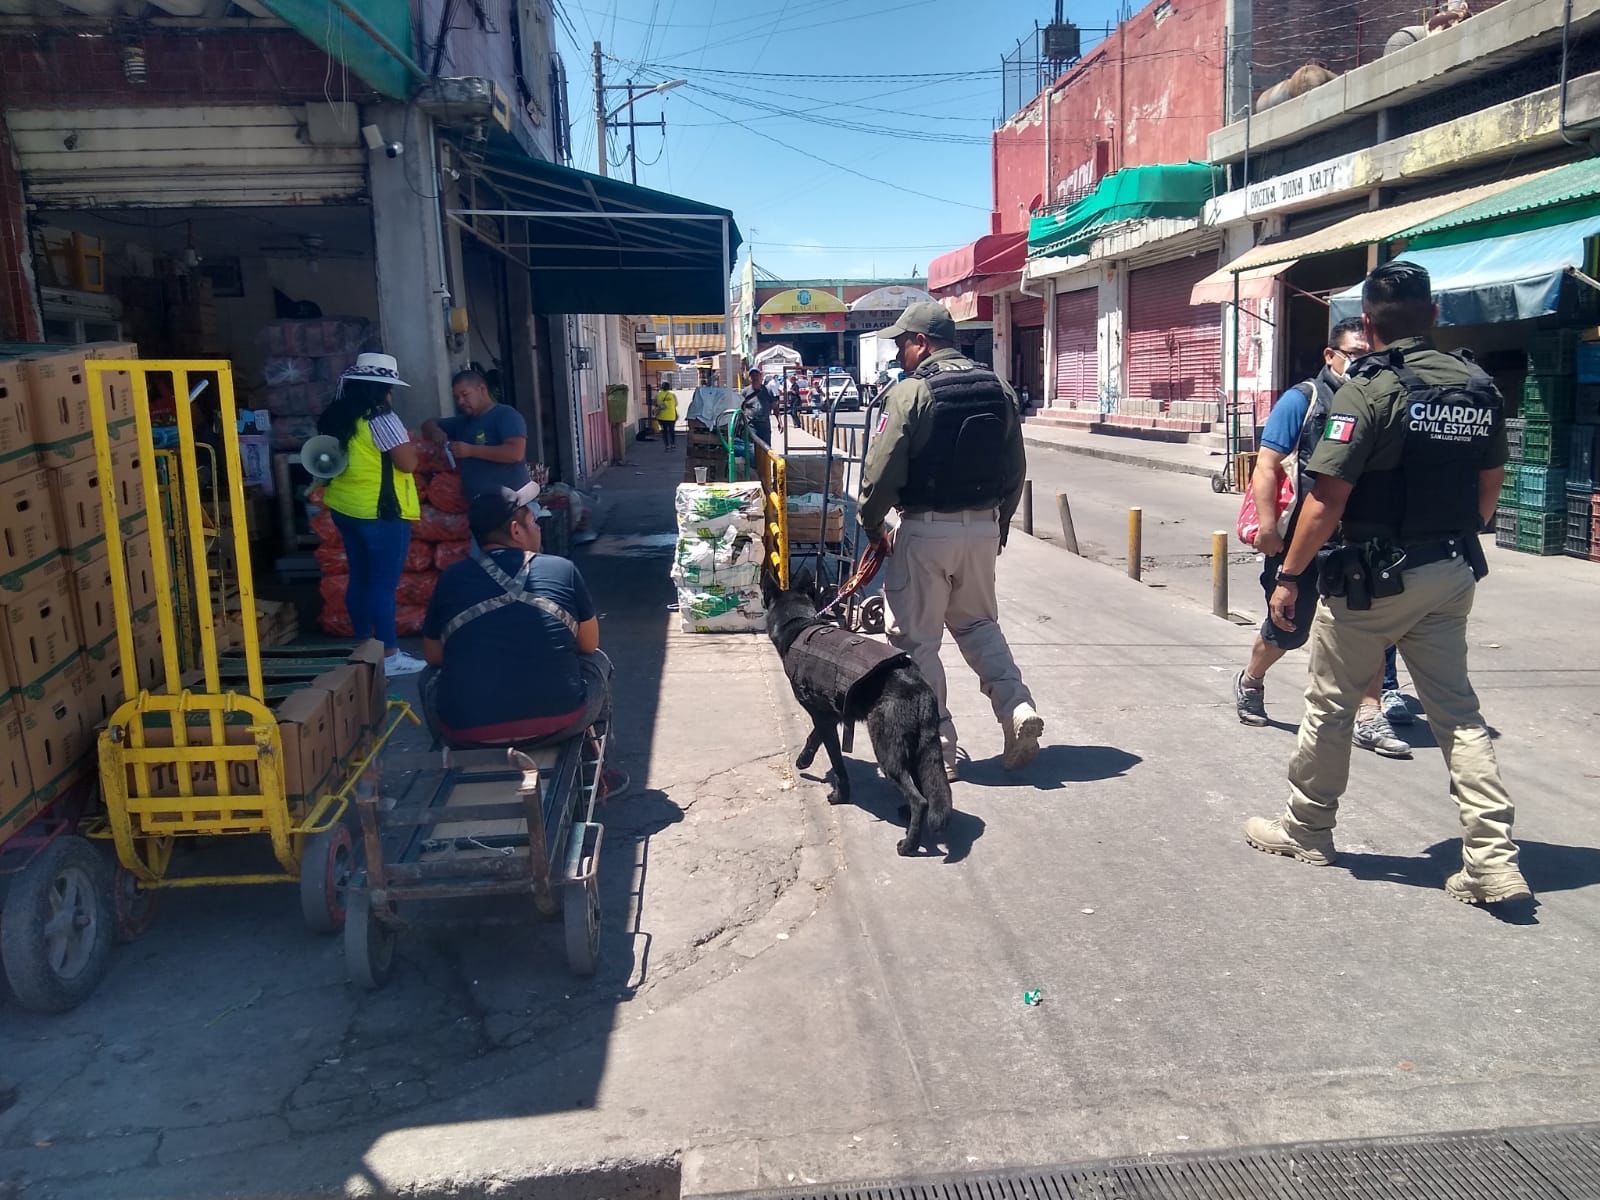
<point x="1069" y="535"/>
<point x="1219" y="575"/>
<point x="1027" y="507"/>
<point x="1135" y="542"/>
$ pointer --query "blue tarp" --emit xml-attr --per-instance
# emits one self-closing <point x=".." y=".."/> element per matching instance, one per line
<point x="1511" y="278"/>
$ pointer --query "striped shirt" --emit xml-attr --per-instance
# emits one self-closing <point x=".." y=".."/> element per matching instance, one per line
<point x="388" y="431"/>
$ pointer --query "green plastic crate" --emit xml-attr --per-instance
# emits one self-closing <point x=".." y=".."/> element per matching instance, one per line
<point x="1541" y="443"/>
<point x="1541" y="489"/>
<point x="1547" y="397"/>
<point x="1554" y="352"/>
<point x="1542" y="532"/>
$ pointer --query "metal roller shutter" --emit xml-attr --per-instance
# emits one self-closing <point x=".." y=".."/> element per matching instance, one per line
<point x="1028" y="312"/>
<point x="1077" y="370"/>
<point x="1172" y="349"/>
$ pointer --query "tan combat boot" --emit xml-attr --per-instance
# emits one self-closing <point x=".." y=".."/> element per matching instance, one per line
<point x="1022" y="733"/>
<point x="1498" y="888"/>
<point x="1270" y="835"/>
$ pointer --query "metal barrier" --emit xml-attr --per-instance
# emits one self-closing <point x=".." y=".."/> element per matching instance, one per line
<point x="773" y="471"/>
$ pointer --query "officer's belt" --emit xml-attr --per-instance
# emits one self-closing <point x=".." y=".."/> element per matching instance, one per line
<point x="1425" y="554"/>
<point x="964" y="515"/>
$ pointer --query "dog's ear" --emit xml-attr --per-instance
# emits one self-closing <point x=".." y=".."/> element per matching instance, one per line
<point x="805" y="583"/>
<point x="770" y="591"/>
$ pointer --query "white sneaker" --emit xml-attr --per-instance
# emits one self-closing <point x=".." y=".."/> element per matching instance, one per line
<point x="401" y="663"/>
<point x="1022" y="735"/>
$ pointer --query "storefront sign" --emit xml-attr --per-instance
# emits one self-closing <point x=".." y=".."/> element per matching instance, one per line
<point x="802" y="300"/>
<point x="1311" y="183"/>
<point x="827" y="322"/>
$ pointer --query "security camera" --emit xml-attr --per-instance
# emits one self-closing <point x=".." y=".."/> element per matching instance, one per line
<point x="394" y="150"/>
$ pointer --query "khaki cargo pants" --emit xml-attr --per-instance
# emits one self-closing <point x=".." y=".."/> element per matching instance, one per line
<point x="1429" y="623"/>
<point x="941" y="576"/>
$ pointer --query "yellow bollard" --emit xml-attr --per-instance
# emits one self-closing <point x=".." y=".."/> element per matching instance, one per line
<point x="1135" y="542"/>
<point x="1219" y="575"/>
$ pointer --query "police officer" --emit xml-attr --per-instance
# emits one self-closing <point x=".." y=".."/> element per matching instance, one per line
<point x="1407" y="472"/>
<point x="948" y="456"/>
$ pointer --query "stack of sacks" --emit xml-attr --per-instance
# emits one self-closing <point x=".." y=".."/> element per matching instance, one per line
<point x="717" y="566"/>
<point x="440" y="538"/>
<point x="304" y="359"/>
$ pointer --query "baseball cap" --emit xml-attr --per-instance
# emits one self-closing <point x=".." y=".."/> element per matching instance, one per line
<point x="492" y="509"/>
<point x="926" y="317"/>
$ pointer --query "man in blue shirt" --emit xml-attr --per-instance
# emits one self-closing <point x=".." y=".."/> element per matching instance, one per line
<point x="513" y="634"/>
<point x="1291" y="433"/>
<point x="489" y="441"/>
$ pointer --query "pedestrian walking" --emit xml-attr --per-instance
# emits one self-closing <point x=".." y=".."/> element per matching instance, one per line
<point x="948" y="459"/>
<point x="1292" y="431"/>
<point x="757" y="407"/>
<point x="1408" y="471"/>
<point x="667" y="415"/>
<point x="374" y="499"/>
<point x="488" y="440"/>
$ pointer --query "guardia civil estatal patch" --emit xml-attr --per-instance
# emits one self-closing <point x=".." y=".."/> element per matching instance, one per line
<point x="1341" y="428"/>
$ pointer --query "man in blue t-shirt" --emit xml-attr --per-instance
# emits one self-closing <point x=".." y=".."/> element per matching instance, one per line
<point x="1292" y="431"/>
<point x="513" y="634"/>
<point x="489" y="441"/>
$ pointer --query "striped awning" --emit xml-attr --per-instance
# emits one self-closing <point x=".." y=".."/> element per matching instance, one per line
<point x="691" y="343"/>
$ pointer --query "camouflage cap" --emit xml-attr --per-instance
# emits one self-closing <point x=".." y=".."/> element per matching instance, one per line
<point x="927" y="317"/>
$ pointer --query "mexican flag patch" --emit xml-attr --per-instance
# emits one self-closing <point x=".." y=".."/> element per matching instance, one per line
<point x="1341" y="428"/>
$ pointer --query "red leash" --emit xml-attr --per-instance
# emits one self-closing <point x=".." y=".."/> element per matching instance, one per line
<point x="863" y="575"/>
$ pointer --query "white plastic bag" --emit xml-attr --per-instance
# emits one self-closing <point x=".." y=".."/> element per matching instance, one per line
<point x="706" y="510"/>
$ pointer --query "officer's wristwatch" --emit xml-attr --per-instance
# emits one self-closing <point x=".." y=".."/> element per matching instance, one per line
<point x="1285" y="577"/>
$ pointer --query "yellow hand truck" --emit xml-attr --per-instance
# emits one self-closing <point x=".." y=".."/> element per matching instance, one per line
<point x="189" y="754"/>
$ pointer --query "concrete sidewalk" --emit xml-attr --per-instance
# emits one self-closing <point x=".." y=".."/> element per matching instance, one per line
<point x="1180" y="457"/>
<point x="788" y="1001"/>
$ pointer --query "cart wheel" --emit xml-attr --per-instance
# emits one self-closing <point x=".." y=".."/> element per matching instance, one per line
<point x="57" y="926"/>
<point x="326" y="863"/>
<point x="580" y="913"/>
<point x="1219" y="482"/>
<point x="872" y="615"/>
<point x="368" y="943"/>
<point x="132" y="905"/>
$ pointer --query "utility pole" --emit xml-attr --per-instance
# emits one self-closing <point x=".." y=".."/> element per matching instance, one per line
<point x="599" y="113"/>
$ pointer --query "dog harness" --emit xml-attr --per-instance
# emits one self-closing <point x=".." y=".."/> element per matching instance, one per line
<point x="831" y="663"/>
<point x="516" y="592"/>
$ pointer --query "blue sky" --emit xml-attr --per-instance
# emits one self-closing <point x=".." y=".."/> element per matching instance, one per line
<point x="817" y="199"/>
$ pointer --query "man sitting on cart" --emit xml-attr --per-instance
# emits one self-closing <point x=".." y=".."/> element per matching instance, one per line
<point x="513" y="634"/>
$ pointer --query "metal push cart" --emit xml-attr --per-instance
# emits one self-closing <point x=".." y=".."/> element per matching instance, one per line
<point x="198" y="753"/>
<point x="838" y="560"/>
<point x="513" y="822"/>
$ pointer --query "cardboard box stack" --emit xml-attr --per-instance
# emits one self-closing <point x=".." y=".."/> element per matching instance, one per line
<point x="717" y="565"/>
<point x="55" y="606"/>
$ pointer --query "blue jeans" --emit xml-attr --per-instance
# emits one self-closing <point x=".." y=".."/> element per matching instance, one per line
<point x="377" y="553"/>
<point x="1391" y="672"/>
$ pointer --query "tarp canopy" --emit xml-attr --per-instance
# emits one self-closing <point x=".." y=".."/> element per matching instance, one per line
<point x="713" y="407"/>
<point x="779" y="354"/>
<point x="1510" y="278"/>
<point x="992" y="254"/>
<point x="377" y="47"/>
<point x="1556" y="197"/>
<point x="598" y="245"/>
<point x="1134" y="193"/>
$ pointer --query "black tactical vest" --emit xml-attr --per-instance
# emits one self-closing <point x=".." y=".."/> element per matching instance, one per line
<point x="828" y="664"/>
<point x="1433" y="492"/>
<point x="962" y="466"/>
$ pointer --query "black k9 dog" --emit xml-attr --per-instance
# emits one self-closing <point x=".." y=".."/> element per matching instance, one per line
<point x="841" y="677"/>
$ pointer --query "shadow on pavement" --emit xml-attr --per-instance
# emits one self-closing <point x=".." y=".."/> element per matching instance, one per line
<point x="1547" y="867"/>
<point x="1055" y="767"/>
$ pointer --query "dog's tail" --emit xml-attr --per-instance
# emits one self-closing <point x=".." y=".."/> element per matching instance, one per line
<point x="928" y="759"/>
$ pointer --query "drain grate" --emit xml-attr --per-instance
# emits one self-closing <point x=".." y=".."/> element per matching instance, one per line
<point x="1539" y="1163"/>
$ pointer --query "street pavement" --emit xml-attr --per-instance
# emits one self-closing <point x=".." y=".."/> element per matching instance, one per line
<point x="788" y="1001"/>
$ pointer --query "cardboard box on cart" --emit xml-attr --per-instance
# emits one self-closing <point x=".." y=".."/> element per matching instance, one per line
<point x="347" y="687"/>
<point x="56" y="733"/>
<point x="18" y="802"/>
<point x="369" y="657"/>
<point x="41" y="633"/>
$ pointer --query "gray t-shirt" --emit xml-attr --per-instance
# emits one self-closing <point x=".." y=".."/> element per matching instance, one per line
<point x="494" y="428"/>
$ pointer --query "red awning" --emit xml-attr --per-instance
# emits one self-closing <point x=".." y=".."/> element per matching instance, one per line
<point x="992" y="254"/>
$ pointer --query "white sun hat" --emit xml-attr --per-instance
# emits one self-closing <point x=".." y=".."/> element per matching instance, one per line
<point x="377" y="368"/>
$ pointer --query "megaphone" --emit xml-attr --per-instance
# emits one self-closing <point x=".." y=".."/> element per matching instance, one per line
<point x="323" y="456"/>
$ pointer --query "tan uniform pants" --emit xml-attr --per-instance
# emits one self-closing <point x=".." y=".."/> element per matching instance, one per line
<point x="1429" y="623"/>
<point x="941" y="576"/>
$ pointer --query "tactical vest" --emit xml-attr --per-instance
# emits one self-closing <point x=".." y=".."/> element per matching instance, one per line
<point x="831" y="663"/>
<point x="1448" y="427"/>
<point x="1320" y="396"/>
<point x="514" y="590"/>
<point x="962" y="466"/>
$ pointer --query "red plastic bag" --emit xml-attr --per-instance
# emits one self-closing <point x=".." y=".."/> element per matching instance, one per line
<point x="431" y="456"/>
<point x="1248" y="527"/>
<point x="336" y="624"/>
<point x="419" y="555"/>
<point x="449" y="553"/>
<point x="446" y="493"/>
<point x="327" y="532"/>
<point x="415" y="588"/>
<point x="437" y="526"/>
<point x="332" y="589"/>
<point x="408" y="619"/>
<point x="331" y="560"/>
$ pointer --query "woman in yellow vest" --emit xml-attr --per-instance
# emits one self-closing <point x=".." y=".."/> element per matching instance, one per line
<point x="667" y="415"/>
<point x="374" y="499"/>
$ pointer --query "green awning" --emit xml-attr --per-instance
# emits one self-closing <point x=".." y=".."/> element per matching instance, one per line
<point x="1557" y="197"/>
<point x="599" y="245"/>
<point x="1173" y="190"/>
<point x="370" y="37"/>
